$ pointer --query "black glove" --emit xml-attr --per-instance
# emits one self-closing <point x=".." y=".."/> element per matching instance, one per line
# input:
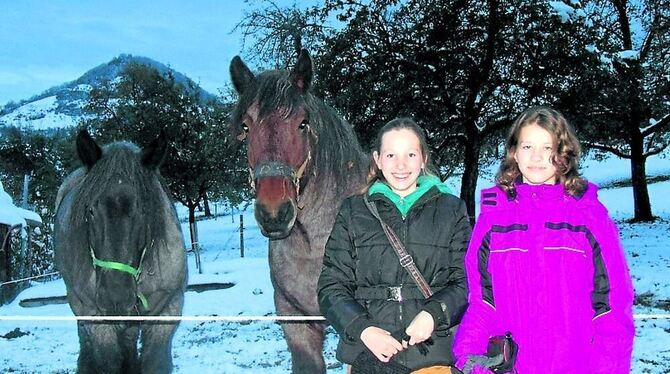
<point x="500" y="355"/>
<point x="401" y="335"/>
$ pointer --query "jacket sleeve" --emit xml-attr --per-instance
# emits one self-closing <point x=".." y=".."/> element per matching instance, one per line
<point x="337" y="284"/>
<point x="612" y="297"/>
<point x="448" y="305"/>
<point x="480" y="317"/>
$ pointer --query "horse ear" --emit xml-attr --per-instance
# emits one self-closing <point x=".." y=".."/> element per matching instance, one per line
<point x="88" y="150"/>
<point x="240" y="74"/>
<point x="301" y="75"/>
<point x="153" y="155"/>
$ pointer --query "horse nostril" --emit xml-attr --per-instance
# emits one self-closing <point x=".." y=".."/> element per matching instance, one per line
<point x="285" y="212"/>
<point x="261" y="213"/>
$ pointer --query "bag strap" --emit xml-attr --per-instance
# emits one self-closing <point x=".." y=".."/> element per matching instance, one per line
<point x="406" y="261"/>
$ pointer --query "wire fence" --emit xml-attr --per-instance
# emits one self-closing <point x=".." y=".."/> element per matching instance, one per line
<point x="217" y="318"/>
<point x="644" y="316"/>
<point x="29" y="278"/>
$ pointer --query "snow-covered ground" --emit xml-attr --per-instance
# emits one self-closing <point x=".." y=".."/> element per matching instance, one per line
<point x="258" y="347"/>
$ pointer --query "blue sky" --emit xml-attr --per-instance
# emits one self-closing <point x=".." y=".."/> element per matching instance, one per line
<point x="46" y="43"/>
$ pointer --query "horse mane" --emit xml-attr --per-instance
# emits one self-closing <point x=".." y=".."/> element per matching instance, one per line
<point x="121" y="160"/>
<point x="338" y="153"/>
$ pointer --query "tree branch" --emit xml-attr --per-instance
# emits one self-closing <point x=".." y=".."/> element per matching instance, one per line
<point x="607" y="148"/>
<point x="655" y="151"/>
<point x="495" y="126"/>
<point x="649" y="38"/>
<point x="665" y="121"/>
<point x="460" y="137"/>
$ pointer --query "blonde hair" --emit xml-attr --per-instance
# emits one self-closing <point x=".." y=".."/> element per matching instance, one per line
<point x="565" y="157"/>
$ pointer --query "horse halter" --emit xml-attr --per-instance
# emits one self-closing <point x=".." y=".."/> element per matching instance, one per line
<point x="280" y="169"/>
<point x="125" y="268"/>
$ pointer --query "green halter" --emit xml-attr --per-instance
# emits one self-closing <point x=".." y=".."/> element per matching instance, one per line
<point x="124" y="268"/>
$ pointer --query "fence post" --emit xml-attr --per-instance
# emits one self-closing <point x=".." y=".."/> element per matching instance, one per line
<point x="241" y="236"/>
<point x="195" y="246"/>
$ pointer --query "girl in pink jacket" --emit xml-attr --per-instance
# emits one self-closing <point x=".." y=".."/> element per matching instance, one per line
<point x="545" y="262"/>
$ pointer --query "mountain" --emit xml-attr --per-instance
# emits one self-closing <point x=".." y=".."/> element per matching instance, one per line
<point x="61" y="106"/>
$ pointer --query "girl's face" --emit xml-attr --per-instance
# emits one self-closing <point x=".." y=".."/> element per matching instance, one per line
<point x="533" y="155"/>
<point x="400" y="160"/>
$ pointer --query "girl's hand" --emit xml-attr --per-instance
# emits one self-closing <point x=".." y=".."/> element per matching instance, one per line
<point x="380" y="343"/>
<point x="420" y="328"/>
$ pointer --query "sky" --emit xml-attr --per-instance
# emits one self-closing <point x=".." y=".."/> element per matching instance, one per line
<point x="47" y="43"/>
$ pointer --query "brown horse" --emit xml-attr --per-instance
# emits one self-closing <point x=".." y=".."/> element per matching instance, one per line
<point x="303" y="159"/>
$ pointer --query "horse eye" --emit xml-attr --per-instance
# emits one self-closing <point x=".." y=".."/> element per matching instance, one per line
<point x="245" y="127"/>
<point x="303" y="125"/>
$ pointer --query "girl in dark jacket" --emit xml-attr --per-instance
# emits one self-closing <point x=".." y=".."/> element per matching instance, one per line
<point x="363" y="290"/>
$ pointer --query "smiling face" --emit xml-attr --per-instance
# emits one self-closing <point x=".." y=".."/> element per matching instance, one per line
<point x="533" y="155"/>
<point x="400" y="160"/>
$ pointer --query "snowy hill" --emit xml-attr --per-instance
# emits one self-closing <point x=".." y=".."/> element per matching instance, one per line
<point x="61" y="106"/>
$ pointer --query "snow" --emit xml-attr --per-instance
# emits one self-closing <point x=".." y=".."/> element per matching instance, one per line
<point x="39" y="115"/>
<point x="565" y="11"/>
<point x="12" y="215"/>
<point x="628" y="55"/>
<point x="253" y="347"/>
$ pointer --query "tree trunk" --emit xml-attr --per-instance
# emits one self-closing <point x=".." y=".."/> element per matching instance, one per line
<point x="470" y="175"/>
<point x="639" y="179"/>
<point x="205" y="202"/>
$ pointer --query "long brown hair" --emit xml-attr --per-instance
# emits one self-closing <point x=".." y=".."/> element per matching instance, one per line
<point x="565" y="157"/>
<point x="398" y="124"/>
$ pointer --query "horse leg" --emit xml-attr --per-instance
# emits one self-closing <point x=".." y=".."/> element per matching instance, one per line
<point x="128" y="339"/>
<point x="305" y="340"/>
<point x="156" y="356"/>
<point x="99" y="350"/>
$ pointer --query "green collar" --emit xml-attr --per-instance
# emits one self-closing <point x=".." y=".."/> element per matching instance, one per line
<point x="125" y="268"/>
<point x="423" y="184"/>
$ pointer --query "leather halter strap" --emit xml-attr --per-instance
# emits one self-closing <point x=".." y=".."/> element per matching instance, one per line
<point x="280" y="169"/>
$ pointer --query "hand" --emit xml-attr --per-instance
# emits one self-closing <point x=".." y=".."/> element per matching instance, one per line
<point x="420" y="328"/>
<point x="380" y="343"/>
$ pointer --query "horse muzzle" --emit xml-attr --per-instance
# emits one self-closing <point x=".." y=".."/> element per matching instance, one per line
<point x="276" y="223"/>
<point x="116" y="294"/>
<point x="275" y="208"/>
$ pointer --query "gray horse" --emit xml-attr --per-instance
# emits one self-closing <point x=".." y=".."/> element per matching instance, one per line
<point x="304" y="159"/>
<point x="119" y="247"/>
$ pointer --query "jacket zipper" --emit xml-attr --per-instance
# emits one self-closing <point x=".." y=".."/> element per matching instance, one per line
<point x="405" y="221"/>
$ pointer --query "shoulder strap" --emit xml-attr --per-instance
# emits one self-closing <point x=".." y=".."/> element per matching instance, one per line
<point x="406" y="261"/>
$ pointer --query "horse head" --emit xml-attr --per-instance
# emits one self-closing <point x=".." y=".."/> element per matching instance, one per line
<point x="273" y="117"/>
<point x="118" y="216"/>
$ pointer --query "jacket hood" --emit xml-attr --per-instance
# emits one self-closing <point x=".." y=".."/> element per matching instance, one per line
<point x="424" y="184"/>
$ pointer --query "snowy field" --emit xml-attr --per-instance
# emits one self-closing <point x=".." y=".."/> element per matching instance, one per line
<point x="258" y="347"/>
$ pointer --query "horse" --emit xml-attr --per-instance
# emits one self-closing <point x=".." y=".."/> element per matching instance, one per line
<point x="304" y="159"/>
<point x="119" y="247"/>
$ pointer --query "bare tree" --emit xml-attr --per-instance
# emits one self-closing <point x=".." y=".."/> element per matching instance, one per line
<point x="629" y="108"/>
<point x="277" y="35"/>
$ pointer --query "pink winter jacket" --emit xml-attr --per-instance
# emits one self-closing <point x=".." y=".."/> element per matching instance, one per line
<point x="550" y="269"/>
